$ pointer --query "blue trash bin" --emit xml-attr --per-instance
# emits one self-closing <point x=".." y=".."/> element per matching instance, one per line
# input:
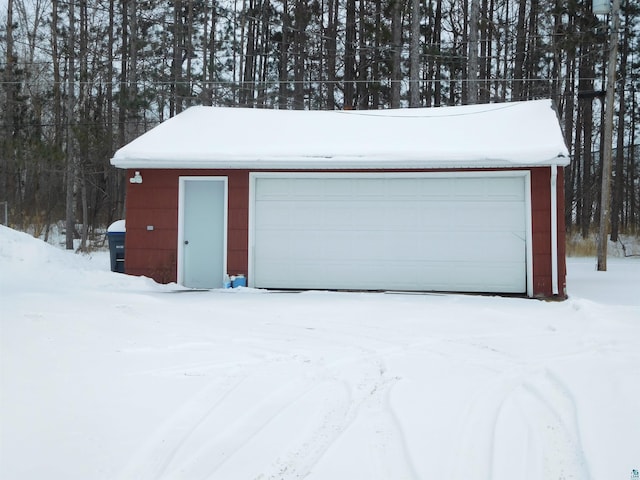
<point x="115" y="235"/>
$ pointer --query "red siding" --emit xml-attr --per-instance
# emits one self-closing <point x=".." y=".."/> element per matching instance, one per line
<point x="155" y="203"/>
<point x="541" y="227"/>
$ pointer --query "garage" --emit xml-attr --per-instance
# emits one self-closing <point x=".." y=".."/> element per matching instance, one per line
<point x="439" y="231"/>
<point x="448" y="199"/>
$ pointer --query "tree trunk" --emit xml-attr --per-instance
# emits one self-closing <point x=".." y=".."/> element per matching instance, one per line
<point x="70" y="167"/>
<point x="437" y="27"/>
<point x="349" y="55"/>
<point x="607" y="142"/>
<point x="212" y="54"/>
<point x="7" y="155"/>
<point x="531" y="67"/>
<point x="633" y="189"/>
<point x="175" y="103"/>
<point x="83" y="129"/>
<point x="362" y="86"/>
<point x="123" y="97"/>
<point x="376" y="57"/>
<point x="396" y="34"/>
<point x="188" y="53"/>
<point x="472" y="72"/>
<point x="132" y="90"/>
<point x="618" y="182"/>
<point x="521" y="38"/>
<point x="57" y="80"/>
<point x="486" y="50"/>
<point x="587" y="165"/>
<point x="461" y="42"/>
<point x="109" y="89"/>
<point x="247" y="89"/>
<point x="586" y="72"/>
<point x="205" y="94"/>
<point x="9" y="77"/>
<point x="265" y="47"/>
<point x="283" y="67"/>
<point x="414" y="55"/>
<point x="300" y="46"/>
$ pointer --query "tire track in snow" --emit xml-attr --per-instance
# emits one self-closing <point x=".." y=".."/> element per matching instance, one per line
<point x="550" y="411"/>
<point x="211" y="428"/>
<point x="502" y="398"/>
<point x="205" y="368"/>
<point x="299" y="458"/>
<point x="522" y="425"/>
<point x="392" y="442"/>
<point x="208" y="430"/>
<point x="368" y="396"/>
<point x="205" y="434"/>
<point x="154" y="457"/>
<point x="476" y="446"/>
<point x="239" y="438"/>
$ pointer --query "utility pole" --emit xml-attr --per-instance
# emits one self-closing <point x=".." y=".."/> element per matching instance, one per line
<point x="605" y="199"/>
<point x="70" y="167"/>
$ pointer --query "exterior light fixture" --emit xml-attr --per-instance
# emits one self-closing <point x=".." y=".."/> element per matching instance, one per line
<point x="137" y="178"/>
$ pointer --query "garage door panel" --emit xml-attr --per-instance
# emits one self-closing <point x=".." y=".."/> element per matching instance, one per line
<point x="273" y="215"/>
<point x="284" y="215"/>
<point x="430" y="233"/>
<point x="475" y="217"/>
<point x="441" y="190"/>
<point x="492" y="249"/>
<point x="486" y="189"/>
<point x="449" y="248"/>
<point x="504" y="189"/>
<point x="440" y="276"/>
<point x="369" y="189"/>
<point x="274" y="189"/>
<point x="336" y="216"/>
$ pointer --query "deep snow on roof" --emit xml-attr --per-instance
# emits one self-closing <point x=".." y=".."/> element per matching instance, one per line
<point x="489" y="135"/>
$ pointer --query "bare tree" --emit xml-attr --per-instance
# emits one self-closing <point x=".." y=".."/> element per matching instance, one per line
<point x="414" y="54"/>
<point x="70" y="140"/>
<point x="472" y="69"/>
<point x="396" y="45"/>
<point x="350" y="54"/>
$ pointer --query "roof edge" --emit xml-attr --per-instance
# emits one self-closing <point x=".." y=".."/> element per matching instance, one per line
<point x="336" y="164"/>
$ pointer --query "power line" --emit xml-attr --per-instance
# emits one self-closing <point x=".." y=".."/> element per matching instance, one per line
<point x="139" y="123"/>
<point x="230" y="83"/>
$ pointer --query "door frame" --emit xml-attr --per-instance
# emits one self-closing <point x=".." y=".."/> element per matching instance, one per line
<point x="181" y="209"/>
<point x="524" y="173"/>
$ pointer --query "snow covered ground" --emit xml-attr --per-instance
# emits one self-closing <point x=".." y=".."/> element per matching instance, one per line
<point x="106" y="376"/>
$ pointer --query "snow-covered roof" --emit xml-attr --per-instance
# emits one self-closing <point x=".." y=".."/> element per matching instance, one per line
<point x="490" y="135"/>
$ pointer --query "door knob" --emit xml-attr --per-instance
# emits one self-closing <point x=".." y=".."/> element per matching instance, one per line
<point x="186" y="242"/>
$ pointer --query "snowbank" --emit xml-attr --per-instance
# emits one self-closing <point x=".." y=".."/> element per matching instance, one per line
<point x="27" y="262"/>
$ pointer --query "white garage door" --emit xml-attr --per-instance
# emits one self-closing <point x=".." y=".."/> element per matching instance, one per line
<point x="439" y="232"/>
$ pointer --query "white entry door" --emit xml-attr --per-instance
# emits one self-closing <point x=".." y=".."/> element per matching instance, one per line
<point x="440" y="232"/>
<point x="202" y="234"/>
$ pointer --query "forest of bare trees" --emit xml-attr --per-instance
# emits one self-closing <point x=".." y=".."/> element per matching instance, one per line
<point x="80" y="79"/>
